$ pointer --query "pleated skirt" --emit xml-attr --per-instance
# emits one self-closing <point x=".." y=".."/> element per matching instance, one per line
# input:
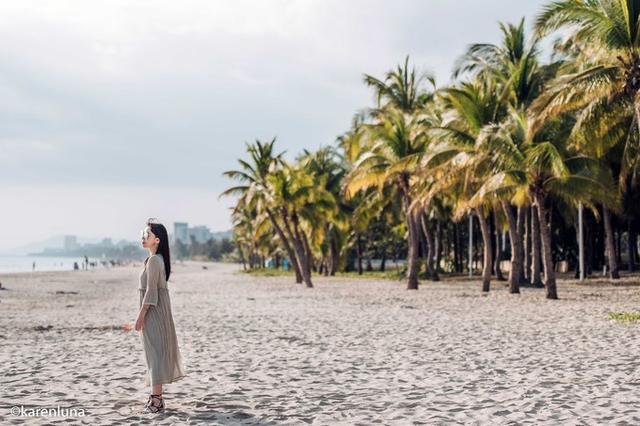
<point x="161" y="352"/>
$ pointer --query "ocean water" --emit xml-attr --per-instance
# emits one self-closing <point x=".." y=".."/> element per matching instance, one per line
<point x="43" y="263"/>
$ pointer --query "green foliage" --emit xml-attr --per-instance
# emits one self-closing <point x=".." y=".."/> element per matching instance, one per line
<point x="511" y="130"/>
<point x="625" y="316"/>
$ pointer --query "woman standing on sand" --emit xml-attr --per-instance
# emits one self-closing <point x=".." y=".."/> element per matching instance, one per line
<point x="155" y="321"/>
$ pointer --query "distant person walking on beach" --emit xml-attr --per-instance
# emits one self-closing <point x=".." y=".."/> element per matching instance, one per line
<point x="155" y="320"/>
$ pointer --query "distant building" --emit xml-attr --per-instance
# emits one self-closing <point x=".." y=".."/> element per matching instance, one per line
<point x="181" y="232"/>
<point x="70" y="242"/>
<point x="200" y="233"/>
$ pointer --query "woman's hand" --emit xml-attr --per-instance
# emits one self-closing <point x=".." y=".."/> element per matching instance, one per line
<point x="140" y="322"/>
<point x="127" y="327"/>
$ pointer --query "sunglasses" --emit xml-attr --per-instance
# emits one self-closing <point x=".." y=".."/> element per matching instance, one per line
<point x="145" y="233"/>
<point x="147" y="230"/>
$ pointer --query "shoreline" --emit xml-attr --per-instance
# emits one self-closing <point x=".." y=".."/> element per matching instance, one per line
<point x="131" y="264"/>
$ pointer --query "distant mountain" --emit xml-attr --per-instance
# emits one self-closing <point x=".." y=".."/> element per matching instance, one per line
<point x="55" y="242"/>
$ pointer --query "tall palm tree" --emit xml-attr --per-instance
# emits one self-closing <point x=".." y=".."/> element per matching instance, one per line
<point x="300" y="203"/>
<point x="250" y="232"/>
<point x="513" y="64"/>
<point x="402" y="88"/>
<point x="328" y="171"/>
<point x="396" y="144"/>
<point x="601" y="82"/>
<point x="456" y="164"/>
<point x="542" y="164"/>
<point x="367" y="205"/>
<point x="514" y="67"/>
<point x="253" y="176"/>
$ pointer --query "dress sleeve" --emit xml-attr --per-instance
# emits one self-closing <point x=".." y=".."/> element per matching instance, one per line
<point x="154" y="266"/>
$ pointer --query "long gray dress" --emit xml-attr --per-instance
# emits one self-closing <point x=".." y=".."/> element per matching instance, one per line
<point x="162" y="355"/>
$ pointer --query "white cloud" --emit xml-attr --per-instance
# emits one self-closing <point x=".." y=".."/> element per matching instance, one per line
<point x="90" y="89"/>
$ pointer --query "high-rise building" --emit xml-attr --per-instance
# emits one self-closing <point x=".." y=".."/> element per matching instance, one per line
<point x="200" y="233"/>
<point x="181" y="232"/>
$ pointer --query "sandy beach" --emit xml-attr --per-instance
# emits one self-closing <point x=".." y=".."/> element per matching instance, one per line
<point x="350" y="351"/>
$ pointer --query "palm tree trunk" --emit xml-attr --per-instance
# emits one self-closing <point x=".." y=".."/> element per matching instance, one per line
<point x="547" y="260"/>
<point x="369" y="264"/>
<point x="516" y="249"/>
<point x="251" y="259"/>
<point x="536" y="254"/>
<point x="614" y="274"/>
<point x="359" y="254"/>
<point x="299" y="249"/>
<point x="526" y="251"/>
<point x="486" y="261"/>
<point x="242" y="258"/>
<point x="305" y="244"/>
<point x="457" y="255"/>
<point x="383" y="258"/>
<point x="631" y="246"/>
<point x="589" y="243"/>
<point x="412" y="230"/>
<point x="438" y="245"/>
<point x="522" y="218"/>
<point x="412" y="261"/>
<point x="580" y="242"/>
<point x="498" y="258"/>
<point x="431" y="270"/>
<point x="618" y="236"/>
<point x="333" y="250"/>
<point x="287" y="246"/>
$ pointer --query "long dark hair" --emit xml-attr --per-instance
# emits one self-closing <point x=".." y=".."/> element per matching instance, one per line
<point x="160" y="231"/>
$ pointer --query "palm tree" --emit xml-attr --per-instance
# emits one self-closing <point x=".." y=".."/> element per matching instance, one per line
<point x="601" y="82"/>
<point x="376" y="211"/>
<point x="253" y="178"/>
<point x="300" y="203"/>
<point x="396" y="143"/>
<point x="469" y="107"/>
<point x="251" y="232"/>
<point x="539" y="165"/>
<point x="513" y="65"/>
<point x="369" y="207"/>
<point x="514" y="68"/>
<point x="402" y="88"/>
<point x="328" y="170"/>
<point x="456" y="163"/>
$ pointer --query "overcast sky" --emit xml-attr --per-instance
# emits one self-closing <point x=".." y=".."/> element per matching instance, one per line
<point x="111" y="112"/>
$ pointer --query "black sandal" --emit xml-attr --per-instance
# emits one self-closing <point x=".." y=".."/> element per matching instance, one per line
<point x="155" y="404"/>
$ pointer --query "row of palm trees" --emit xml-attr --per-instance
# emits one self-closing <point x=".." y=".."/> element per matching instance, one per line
<point x="516" y="143"/>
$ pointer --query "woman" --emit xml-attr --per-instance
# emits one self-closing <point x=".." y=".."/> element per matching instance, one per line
<point x="155" y="321"/>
